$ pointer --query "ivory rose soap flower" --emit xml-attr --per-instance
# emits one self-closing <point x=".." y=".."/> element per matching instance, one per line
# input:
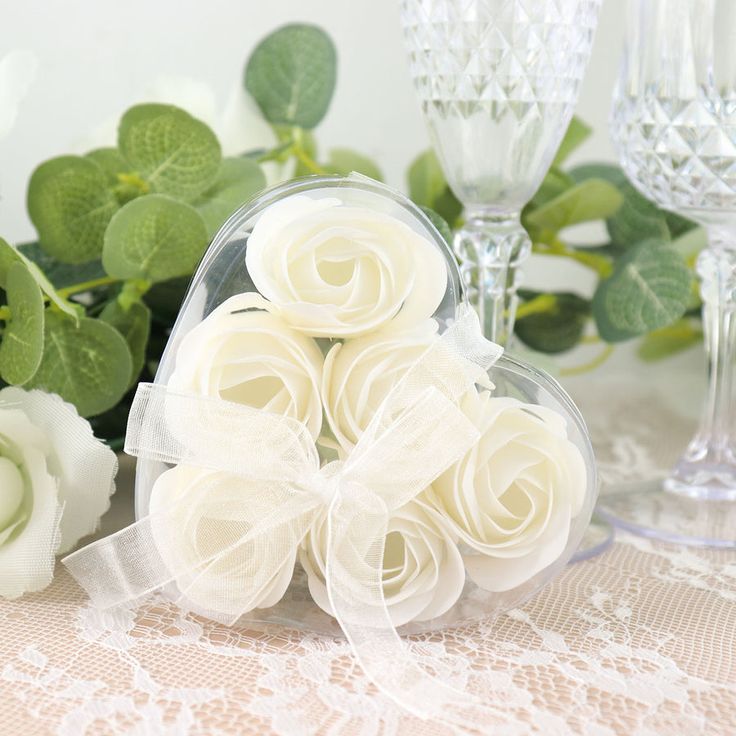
<point x="55" y="483"/>
<point x="359" y="374"/>
<point x="337" y="271"/>
<point x="423" y="572"/>
<point x="244" y="353"/>
<point x="511" y="499"/>
<point x="198" y="513"/>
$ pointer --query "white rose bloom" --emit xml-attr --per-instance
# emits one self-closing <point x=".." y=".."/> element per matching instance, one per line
<point x="196" y="513"/>
<point x="336" y="270"/>
<point x="359" y="374"/>
<point x="511" y="499"/>
<point x="423" y="573"/>
<point x="243" y="353"/>
<point x="55" y="483"/>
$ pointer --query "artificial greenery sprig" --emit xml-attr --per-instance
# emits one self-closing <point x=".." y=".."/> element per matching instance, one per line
<point x="87" y="309"/>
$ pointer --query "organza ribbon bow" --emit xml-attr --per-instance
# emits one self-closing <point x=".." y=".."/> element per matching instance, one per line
<point x="416" y="434"/>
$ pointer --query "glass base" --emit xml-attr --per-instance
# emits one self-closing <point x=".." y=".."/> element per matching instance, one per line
<point x="652" y="510"/>
<point x="598" y="538"/>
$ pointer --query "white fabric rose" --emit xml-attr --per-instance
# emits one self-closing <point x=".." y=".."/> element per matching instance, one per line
<point x="243" y="353"/>
<point x="511" y="499"/>
<point x="196" y="513"/>
<point x="55" y="483"/>
<point x="423" y="573"/>
<point x="336" y="270"/>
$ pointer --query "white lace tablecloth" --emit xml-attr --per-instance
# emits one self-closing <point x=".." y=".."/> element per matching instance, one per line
<point x="640" y="640"/>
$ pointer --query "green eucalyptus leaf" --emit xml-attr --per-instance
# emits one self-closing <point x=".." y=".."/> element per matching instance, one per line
<point x="165" y="299"/>
<point x="553" y="185"/>
<point x="61" y="274"/>
<point x="593" y="199"/>
<point x="88" y="364"/>
<point x="237" y="181"/>
<point x="10" y="255"/>
<point x="577" y="133"/>
<point x="426" y="179"/>
<point x="111" y="162"/>
<point x="637" y="220"/>
<point x="598" y="170"/>
<point x="344" y="161"/>
<point x="678" y="225"/>
<point x="428" y="187"/>
<point x="558" y="329"/>
<point x="670" y="340"/>
<point x="154" y="238"/>
<point x="134" y="324"/>
<point x="649" y="289"/>
<point x="171" y="151"/>
<point x="22" y="344"/>
<point x="70" y="204"/>
<point x="440" y="223"/>
<point x="292" y="74"/>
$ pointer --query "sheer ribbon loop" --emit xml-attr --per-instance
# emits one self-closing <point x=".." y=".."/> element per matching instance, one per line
<point x="260" y="487"/>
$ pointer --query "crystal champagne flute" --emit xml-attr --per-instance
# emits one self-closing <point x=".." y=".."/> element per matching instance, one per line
<point x="674" y="125"/>
<point x="498" y="81"/>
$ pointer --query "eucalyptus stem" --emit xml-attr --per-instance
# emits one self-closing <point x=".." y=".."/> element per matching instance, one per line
<point x="538" y="305"/>
<point x="555" y="247"/>
<point x="308" y="162"/>
<point x="599" y="360"/>
<point x="80" y="288"/>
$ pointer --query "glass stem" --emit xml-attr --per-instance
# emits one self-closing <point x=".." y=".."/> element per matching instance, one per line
<point x="490" y="247"/>
<point x="708" y="467"/>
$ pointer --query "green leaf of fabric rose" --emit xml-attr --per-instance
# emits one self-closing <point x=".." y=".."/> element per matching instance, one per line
<point x="88" y="364"/>
<point x="21" y="349"/>
<point x="10" y="255"/>
<point x="237" y="181"/>
<point x="556" y="330"/>
<point x="170" y="150"/>
<point x="70" y="204"/>
<point x="154" y="238"/>
<point x="292" y="74"/>
<point x="649" y="289"/>
<point x="134" y="324"/>
<point x="344" y="161"/>
<point x="592" y="199"/>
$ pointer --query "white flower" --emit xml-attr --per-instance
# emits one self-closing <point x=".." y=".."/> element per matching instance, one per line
<point x="335" y="270"/>
<point x="359" y="374"/>
<point x="510" y="500"/>
<point x="243" y="353"/>
<point x="55" y="484"/>
<point x="197" y="513"/>
<point x="423" y="573"/>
